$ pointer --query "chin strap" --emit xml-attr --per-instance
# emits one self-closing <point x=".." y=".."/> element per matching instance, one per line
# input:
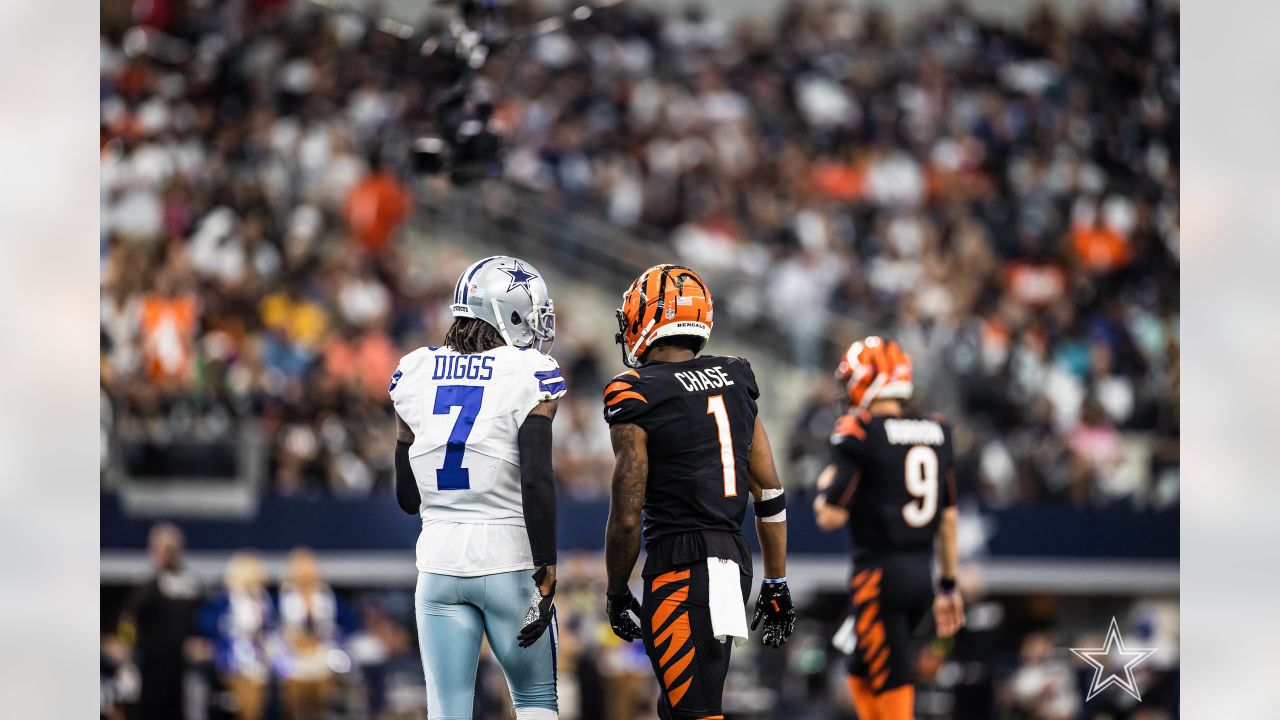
<point x="631" y="352"/>
<point x="873" y="390"/>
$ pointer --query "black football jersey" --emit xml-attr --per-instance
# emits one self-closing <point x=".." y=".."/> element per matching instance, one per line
<point x="894" y="475"/>
<point x="699" y="416"/>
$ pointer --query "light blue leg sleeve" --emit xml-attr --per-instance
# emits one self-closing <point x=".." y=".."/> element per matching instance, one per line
<point x="531" y="671"/>
<point x="449" y="634"/>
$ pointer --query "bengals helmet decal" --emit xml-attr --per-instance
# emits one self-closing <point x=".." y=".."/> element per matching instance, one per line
<point x="666" y="300"/>
<point x="875" y="369"/>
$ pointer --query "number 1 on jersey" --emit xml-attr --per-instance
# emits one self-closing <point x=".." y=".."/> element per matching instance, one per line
<point x="715" y="406"/>
<point x="451" y="475"/>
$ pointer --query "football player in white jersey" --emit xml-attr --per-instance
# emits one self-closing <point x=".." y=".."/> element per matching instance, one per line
<point x="473" y="458"/>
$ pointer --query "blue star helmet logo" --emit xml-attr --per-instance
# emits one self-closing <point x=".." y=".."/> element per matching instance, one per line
<point x="520" y="277"/>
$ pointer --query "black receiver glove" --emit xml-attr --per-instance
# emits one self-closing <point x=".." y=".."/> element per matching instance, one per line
<point x="779" y="615"/>
<point x="541" y="612"/>
<point x="618" y="606"/>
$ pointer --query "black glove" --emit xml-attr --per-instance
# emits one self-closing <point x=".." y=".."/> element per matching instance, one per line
<point x="779" y="615"/>
<point x="617" y="606"/>
<point x="541" y="611"/>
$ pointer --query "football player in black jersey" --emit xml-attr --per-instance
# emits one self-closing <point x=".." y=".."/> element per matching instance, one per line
<point x="688" y="448"/>
<point x="891" y="481"/>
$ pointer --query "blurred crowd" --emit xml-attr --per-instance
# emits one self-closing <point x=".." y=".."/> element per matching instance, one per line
<point x="251" y="649"/>
<point x="180" y="651"/>
<point x="250" y="261"/>
<point x="254" y="271"/>
<point x="1001" y="200"/>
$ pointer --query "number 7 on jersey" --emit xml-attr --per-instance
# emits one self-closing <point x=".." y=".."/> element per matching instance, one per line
<point x="467" y="398"/>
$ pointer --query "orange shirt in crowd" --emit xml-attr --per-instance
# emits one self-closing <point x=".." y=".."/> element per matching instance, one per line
<point x="1099" y="248"/>
<point x="168" y="336"/>
<point x="838" y="181"/>
<point x="375" y="207"/>
<point x="368" y="360"/>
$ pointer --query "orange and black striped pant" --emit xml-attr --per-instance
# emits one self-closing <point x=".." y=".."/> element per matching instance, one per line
<point x="891" y="596"/>
<point x="690" y="663"/>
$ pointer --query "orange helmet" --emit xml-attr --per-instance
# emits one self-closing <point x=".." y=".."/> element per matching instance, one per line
<point x="875" y="369"/>
<point x="666" y="300"/>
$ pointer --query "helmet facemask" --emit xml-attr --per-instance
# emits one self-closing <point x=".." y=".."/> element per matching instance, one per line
<point x="621" y="338"/>
<point x="536" y="329"/>
<point x="630" y="358"/>
<point x="542" y="321"/>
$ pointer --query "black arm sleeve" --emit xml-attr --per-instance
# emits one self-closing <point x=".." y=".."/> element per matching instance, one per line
<point x="538" y="489"/>
<point x="406" y="486"/>
<point x="845" y="483"/>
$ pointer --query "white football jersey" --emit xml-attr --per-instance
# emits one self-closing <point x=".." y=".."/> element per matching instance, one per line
<point x="465" y="412"/>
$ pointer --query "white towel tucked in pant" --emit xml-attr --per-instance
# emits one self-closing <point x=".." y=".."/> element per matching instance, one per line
<point x="728" y="611"/>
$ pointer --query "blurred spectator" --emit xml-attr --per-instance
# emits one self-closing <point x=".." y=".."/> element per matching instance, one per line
<point x="311" y="624"/>
<point x="387" y="653"/>
<point x="241" y="621"/>
<point x="299" y="321"/>
<point x="1095" y="447"/>
<point x="1099" y="246"/>
<point x="169" y="318"/>
<point x="583" y="455"/>
<point x="810" y="448"/>
<point x="116" y="680"/>
<point x="1044" y="685"/>
<point x="376" y="207"/>
<point x="160" y="620"/>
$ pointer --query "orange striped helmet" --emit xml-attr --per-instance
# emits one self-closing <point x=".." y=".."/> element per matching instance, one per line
<point x="875" y="369"/>
<point x="666" y="300"/>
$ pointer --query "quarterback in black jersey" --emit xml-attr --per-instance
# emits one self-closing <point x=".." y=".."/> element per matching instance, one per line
<point x="891" y="481"/>
<point x="689" y="449"/>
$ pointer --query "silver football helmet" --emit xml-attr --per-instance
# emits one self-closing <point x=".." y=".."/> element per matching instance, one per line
<point x="509" y="294"/>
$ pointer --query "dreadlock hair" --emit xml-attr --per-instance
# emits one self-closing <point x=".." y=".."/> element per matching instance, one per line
<point x="472" y="335"/>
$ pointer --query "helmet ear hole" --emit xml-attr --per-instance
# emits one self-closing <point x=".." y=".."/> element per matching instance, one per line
<point x="515" y="318"/>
